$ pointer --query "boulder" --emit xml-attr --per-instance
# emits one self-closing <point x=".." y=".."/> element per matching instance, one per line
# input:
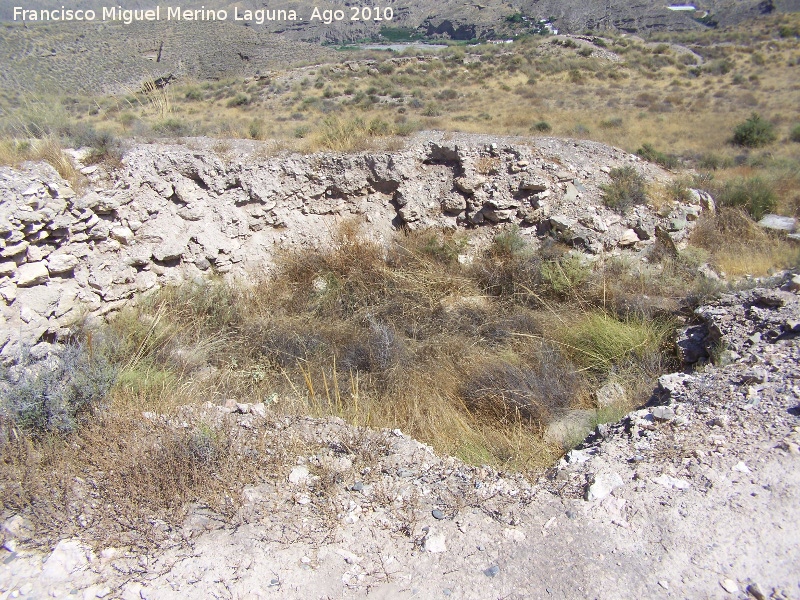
<point x="629" y="238"/>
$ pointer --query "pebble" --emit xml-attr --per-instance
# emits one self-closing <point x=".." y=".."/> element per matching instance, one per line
<point x="437" y="514"/>
<point x="357" y="486"/>
<point x="491" y="571"/>
<point x="729" y="585"/>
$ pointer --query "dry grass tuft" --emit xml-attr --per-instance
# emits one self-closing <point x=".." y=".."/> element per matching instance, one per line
<point x="738" y="246"/>
<point x="50" y="151"/>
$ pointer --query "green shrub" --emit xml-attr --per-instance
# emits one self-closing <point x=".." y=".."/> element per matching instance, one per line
<point x="649" y="153"/>
<point x="627" y="188"/>
<point x="754" y="132"/>
<point x="711" y="162"/>
<point x="508" y="244"/>
<point x="256" y="129"/>
<point x="795" y="134"/>
<point x="612" y="123"/>
<point x="239" y="100"/>
<point x="755" y="195"/>
<point x="542" y="127"/>
<point x="58" y="394"/>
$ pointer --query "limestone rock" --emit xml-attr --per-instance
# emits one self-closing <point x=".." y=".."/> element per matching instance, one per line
<point x="122" y="234"/>
<point x="61" y="263"/>
<point x="603" y="485"/>
<point x="31" y="274"/>
<point x="611" y="394"/>
<point x="629" y="238"/>
<point x="779" y="223"/>
<point x="169" y="250"/>
<point x="7" y="268"/>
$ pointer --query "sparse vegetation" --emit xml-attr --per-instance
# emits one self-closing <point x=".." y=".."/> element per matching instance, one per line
<point x="648" y="152"/>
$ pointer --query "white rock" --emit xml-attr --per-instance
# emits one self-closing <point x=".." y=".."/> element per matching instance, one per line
<point x="31" y="274"/>
<point x="122" y="234"/>
<point x="62" y="263"/>
<point x="603" y="485"/>
<point x="515" y="535"/>
<point x="68" y="557"/>
<point x="670" y="482"/>
<point x="741" y="467"/>
<point x="7" y="268"/>
<point x="629" y="238"/>
<point x="729" y="585"/>
<point x="298" y="474"/>
<point x="779" y="223"/>
<point x="169" y="250"/>
<point x="435" y="542"/>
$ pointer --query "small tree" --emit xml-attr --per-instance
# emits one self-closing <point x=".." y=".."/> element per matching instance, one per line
<point x="754" y="132"/>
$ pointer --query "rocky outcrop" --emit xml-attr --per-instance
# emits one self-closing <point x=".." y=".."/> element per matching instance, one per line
<point x="173" y="213"/>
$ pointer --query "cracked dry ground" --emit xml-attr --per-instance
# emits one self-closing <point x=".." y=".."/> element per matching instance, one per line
<point x="693" y="497"/>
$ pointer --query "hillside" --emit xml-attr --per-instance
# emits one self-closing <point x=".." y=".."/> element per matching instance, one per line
<point x="458" y="19"/>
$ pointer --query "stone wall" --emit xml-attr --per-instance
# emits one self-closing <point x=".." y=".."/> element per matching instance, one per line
<point x="173" y="213"/>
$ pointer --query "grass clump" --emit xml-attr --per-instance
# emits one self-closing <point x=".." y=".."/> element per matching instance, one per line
<point x="754" y="132"/>
<point x="738" y="246"/>
<point x="627" y="188"/>
<point x="600" y="341"/>
<point x="754" y="194"/>
<point x="564" y="275"/>
<point x="795" y="133"/>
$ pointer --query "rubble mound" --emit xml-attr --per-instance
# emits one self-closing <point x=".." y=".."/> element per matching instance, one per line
<point x="175" y="213"/>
